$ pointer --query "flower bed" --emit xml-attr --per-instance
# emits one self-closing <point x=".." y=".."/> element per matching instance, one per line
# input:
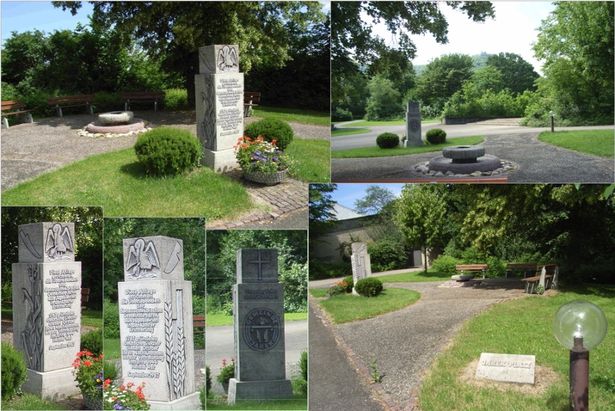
<point x="88" y="371"/>
<point x="261" y="161"/>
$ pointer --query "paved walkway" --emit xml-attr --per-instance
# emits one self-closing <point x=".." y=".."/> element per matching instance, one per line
<point x="538" y="163"/>
<point x="328" y="282"/>
<point x="405" y="343"/>
<point x="334" y="385"/>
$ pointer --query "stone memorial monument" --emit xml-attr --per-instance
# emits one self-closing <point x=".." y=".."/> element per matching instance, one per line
<point x="413" y="124"/>
<point x="155" y="304"/>
<point x="258" y="307"/>
<point x="506" y="368"/>
<point x="219" y="104"/>
<point x="47" y="307"/>
<point x="361" y="263"/>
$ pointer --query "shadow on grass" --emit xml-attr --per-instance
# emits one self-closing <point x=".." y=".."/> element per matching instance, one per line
<point x="599" y="290"/>
<point x="135" y="169"/>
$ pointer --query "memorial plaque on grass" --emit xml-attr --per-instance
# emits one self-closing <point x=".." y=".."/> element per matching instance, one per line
<point x="361" y="263"/>
<point x="506" y="368"/>
<point x="155" y="304"/>
<point x="258" y="301"/>
<point x="47" y="307"/>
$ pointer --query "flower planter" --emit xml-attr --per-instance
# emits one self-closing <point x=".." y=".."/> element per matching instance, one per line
<point x="269" y="179"/>
<point x="93" y="402"/>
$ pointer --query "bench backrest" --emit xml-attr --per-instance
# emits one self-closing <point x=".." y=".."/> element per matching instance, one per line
<point x="198" y="321"/>
<point x="521" y="266"/>
<point x="252" y="97"/>
<point x="143" y="95"/>
<point x="85" y="295"/>
<point x="471" y="267"/>
<point x="80" y="98"/>
<point x="12" y="105"/>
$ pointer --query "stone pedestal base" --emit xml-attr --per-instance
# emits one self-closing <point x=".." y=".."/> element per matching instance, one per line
<point x="189" y="402"/>
<point x="259" y="390"/>
<point x="51" y="385"/>
<point x="220" y="161"/>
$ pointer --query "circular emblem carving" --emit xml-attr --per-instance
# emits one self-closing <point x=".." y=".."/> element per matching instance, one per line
<point x="261" y="329"/>
<point x="414" y="124"/>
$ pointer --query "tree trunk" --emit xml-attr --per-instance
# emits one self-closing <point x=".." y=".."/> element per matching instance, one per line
<point x="425" y="263"/>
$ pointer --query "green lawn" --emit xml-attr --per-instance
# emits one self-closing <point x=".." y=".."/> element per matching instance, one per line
<point x="30" y="402"/>
<point x="415" y="277"/>
<point x="595" y="142"/>
<point x="117" y="182"/>
<point x="319" y="118"/>
<point x="400" y="122"/>
<point x="318" y="292"/>
<point x="347" y="307"/>
<point x="218" y="319"/>
<point x="345" y="131"/>
<point x="294" y="404"/>
<point x="521" y="327"/>
<point x="376" y="151"/>
<point x="111" y="348"/>
<point x="312" y="160"/>
<point x="92" y="318"/>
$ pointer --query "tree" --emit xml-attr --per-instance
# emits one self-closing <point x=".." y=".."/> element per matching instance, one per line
<point x="395" y="67"/>
<point x="375" y="200"/>
<point x="173" y="31"/>
<point x="517" y="75"/>
<point x="384" y="102"/>
<point x="576" y="43"/>
<point x="421" y="217"/>
<point x="442" y="78"/>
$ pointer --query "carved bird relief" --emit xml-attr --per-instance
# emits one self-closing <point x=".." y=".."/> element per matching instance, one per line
<point x="227" y="58"/>
<point x="143" y="260"/>
<point x="58" y="242"/>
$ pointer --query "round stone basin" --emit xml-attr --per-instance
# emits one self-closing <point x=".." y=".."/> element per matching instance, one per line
<point x="463" y="154"/>
<point x="134" y="124"/>
<point x="115" y="117"/>
<point x="483" y="163"/>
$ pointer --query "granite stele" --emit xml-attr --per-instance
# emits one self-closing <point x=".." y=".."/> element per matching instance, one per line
<point x="413" y="124"/>
<point x="219" y="104"/>
<point x="155" y="304"/>
<point x="47" y="307"/>
<point x="361" y="263"/>
<point x="258" y="306"/>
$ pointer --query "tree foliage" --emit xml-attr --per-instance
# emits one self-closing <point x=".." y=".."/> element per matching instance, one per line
<point x="384" y="102"/>
<point x="517" y="75"/>
<point x="442" y="78"/>
<point x="576" y="43"/>
<point x="375" y="200"/>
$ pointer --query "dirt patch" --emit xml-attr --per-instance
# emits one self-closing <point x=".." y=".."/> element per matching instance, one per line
<point x="544" y="377"/>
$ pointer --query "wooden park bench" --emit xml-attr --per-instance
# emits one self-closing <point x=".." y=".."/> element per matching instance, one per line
<point x="551" y="273"/>
<point x="72" y="101"/>
<point x="14" y="108"/>
<point x="528" y="269"/>
<point x="469" y="268"/>
<point x="142" y="97"/>
<point x="198" y="323"/>
<point x="250" y="99"/>
<point x="85" y="298"/>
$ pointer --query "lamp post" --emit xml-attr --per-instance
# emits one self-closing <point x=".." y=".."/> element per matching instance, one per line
<point x="579" y="326"/>
<point x="552" y="115"/>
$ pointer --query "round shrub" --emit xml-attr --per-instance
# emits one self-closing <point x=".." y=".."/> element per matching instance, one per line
<point x="387" y="140"/>
<point x="369" y="287"/>
<point x="445" y="264"/>
<point x="436" y="136"/>
<point x="388" y="254"/>
<point x="13" y="371"/>
<point x="350" y="281"/>
<point x="271" y="129"/>
<point x="168" y="151"/>
<point x="92" y="342"/>
<point x="341" y="114"/>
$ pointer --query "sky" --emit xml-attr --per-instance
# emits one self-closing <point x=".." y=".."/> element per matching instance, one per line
<point x="23" y="16"/>
<point x="347" y="194"/>
<point x="512" y="30"/>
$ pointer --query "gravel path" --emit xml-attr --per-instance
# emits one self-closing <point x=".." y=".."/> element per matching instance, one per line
<point x="404" y="343"/>
<point x="538" y="163"/>
<point x="334" y="385"/>
<point x="29" y="150"/>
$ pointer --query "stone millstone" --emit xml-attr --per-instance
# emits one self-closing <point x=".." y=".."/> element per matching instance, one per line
<point x="463" y="154"/>
<point x="484" y="163"/>
<point x="135" y="124"/>
<point x="115" y="117"/>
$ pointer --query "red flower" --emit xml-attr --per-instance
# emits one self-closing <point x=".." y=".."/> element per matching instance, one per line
<point x="87" y="363"/>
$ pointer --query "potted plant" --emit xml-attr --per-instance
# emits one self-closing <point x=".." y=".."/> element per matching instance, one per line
<point x="226" y="373"/>
<point x="88" y="371"/>
<point x="261" y="161"/>
<point x="122" y="397"/>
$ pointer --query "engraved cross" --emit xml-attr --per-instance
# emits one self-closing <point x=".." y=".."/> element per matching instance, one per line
<point x="259" y="261"/>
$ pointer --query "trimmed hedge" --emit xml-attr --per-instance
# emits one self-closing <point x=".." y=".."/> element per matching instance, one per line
<point x="436" y="136"/>
<point x="369" y="287"/>
<point x="271" y="129"/>
<point x="387" y="140"/>
<point x="168" y="151"/>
